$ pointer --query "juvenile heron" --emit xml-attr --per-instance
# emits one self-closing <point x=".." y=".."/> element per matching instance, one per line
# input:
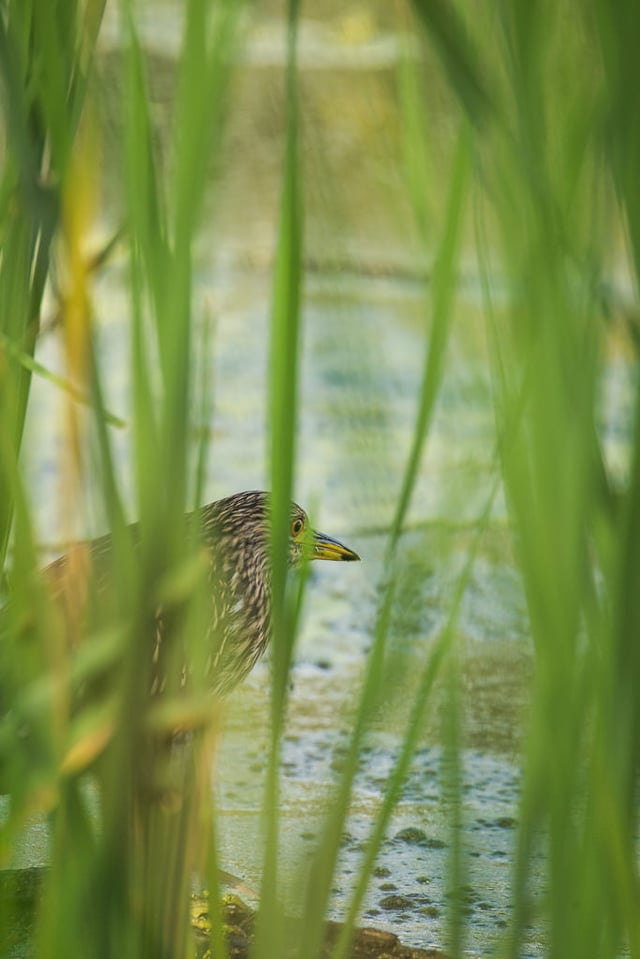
<point x="157" y="839"/>
<point x="235" y="532"/>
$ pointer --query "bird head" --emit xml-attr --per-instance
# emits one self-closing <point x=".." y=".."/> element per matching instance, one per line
<point x="244" y="518"/>
<point x="308" y="543"/>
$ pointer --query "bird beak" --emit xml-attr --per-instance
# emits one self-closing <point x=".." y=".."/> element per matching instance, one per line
<point x="325" y="547"/>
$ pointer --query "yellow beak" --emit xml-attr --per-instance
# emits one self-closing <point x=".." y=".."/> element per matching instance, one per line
<point x="325" y="547"/>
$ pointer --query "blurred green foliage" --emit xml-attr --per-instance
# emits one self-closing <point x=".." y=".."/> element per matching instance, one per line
<point x="544" y="168"/>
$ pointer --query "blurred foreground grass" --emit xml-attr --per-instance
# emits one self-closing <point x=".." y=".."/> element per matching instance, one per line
<point x="541" y="188"/>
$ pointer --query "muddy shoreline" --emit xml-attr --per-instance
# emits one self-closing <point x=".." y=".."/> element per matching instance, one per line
<point x="21" y="890"/>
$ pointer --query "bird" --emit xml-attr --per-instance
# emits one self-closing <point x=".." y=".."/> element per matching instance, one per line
<point x="153" y="782"/>
<point x="236" y="535"/>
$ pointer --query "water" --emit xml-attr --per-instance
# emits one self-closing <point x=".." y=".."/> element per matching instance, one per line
<point x="326" y="679"/>
<point x="361" y="366"/>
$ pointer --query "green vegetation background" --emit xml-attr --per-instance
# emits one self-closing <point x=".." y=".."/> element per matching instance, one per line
<point x="543" y="176"/>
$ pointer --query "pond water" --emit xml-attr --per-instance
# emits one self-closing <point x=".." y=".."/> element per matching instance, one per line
<point x="361" y="369"/>
<point x="362" y="352"/>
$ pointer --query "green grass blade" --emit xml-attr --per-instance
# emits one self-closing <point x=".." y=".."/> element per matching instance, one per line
<point x="443" y="282"/>
<point x="283" y="380"/>
<point x="27" y="361"/>
<point x="459" y="54"/>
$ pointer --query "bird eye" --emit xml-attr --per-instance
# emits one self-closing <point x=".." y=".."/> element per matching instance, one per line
<point x="296" y="526"/>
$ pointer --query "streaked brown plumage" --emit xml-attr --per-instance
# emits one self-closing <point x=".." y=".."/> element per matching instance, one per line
<point x="235" y="533"/>
<point x="236" y="536"/>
